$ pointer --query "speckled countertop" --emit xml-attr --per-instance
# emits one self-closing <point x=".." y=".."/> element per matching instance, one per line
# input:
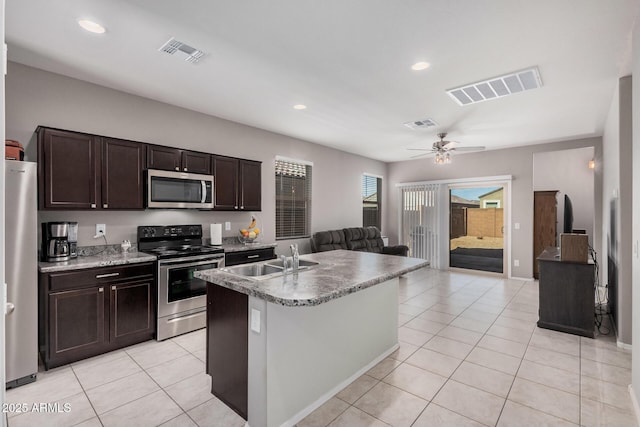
<point x="101" y="260"/>
<point x="339" y="273"/>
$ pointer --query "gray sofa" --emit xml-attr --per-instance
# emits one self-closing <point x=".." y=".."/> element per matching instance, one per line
<point x="366" y="239"/>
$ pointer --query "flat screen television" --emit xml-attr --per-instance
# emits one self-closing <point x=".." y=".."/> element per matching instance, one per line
<point x="568" y="215"/>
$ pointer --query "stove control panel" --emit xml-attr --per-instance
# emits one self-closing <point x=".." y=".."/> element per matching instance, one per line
<point x="171" y="231"/>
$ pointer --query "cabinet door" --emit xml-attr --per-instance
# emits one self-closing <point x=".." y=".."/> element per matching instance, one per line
<point x="194" y="162"/>
<point x="67" y="170"/>
<point x="225" y="183"/>
<point x="250" y="185"/>
<point x="132" y="311"/>
<point x="164" y="158"/>
<point x="122" y="177"/>
<point x="76" y="324"/>
<point x="544" y="224"/>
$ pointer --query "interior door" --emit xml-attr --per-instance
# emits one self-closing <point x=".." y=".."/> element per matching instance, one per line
<point x="544" y="224"/>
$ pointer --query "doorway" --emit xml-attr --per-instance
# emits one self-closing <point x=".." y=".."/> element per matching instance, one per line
<point x="476" y="227"/>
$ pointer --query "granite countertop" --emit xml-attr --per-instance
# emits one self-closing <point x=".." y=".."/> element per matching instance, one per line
<point x="98" y="260"/>
<point x="339" y="273"/>
<point x="239" y="247"/>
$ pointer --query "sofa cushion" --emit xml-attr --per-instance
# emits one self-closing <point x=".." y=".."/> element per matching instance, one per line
<point x="356" y="239"/>
<point x="328" y="241"/>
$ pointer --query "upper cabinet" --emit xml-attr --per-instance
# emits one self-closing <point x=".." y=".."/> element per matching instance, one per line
<point x="81" y="171"/>
<point x="67" y="170"/>
<point x="122" y="174"/>
<point x="173" y="159"/>
<point x="237" y="183"/>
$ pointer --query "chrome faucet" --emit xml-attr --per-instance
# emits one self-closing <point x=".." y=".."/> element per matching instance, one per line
<point x="296" y="257"/>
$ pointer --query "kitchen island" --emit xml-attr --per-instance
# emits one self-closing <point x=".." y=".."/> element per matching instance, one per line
<point x="280" y="346"/>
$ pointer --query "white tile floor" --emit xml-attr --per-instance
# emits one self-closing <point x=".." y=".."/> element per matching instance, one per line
<point x="470" y="355"/>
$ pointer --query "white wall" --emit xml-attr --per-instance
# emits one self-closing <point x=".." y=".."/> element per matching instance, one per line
<point x="617" y="209"/>
<point x="517" y="162"/>
<point x="36" y="97"/>
<point x="635" y="372"/>
<point x="567" y="171"/>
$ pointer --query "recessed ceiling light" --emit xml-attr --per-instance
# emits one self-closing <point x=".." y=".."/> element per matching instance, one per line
<point x="419" y="66"/>
<point x="300" y="107"/>
<point x="92" y="27"/>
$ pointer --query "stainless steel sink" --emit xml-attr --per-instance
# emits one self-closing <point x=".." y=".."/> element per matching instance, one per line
<point x="303" y="264"/>
<point x="253" y="270"/>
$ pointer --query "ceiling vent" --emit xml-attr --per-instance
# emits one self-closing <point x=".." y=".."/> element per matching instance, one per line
<point x="191" y="54"/>
<point x="421" y="124"/>
<point x="496" y="87"/>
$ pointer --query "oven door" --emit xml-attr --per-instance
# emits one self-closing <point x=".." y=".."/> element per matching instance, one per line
<point x="178" y="290"/>
<point x="179" y="190"/>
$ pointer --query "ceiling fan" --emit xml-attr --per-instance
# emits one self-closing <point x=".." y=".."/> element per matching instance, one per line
<point x="443" y="149"/>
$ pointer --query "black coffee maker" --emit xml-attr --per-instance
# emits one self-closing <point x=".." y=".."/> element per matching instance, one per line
<point x="55" y="241"/>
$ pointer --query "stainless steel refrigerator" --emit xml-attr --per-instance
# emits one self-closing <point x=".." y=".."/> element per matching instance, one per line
<point x="21" y="272"/>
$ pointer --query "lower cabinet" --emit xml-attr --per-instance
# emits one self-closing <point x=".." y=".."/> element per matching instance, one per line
<point x="251" y="255"/>
<point x="84" y="313"/>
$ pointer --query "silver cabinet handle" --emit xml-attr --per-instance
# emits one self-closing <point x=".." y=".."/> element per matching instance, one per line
<point x="235" y="207"/>
<point x="101" y="290"/>
<point x="10" y="307"/>
<point x="253" y="256"/>
<point x="185" y="169"/>
<point x="93" y="205"/>
<point x="241" y="207"/>
<point x="105" y="205"/>
<point x="113" y="288"/>
<point x="102" y="276"/>
<point x="177" y="168"/>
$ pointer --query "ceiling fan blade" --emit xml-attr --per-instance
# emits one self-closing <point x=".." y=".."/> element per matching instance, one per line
<point x="420" y="149"/>
<point x="478" y="148"/>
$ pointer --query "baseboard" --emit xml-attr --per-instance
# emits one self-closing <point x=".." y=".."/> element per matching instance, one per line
<point x="328" y="395"/>
<point x="522" y="278"/>
<point x="623" y="346"/>
<point x="634" y="401"/>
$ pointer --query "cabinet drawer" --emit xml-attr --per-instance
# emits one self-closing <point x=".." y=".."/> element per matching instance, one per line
<point x="96" y="276"/>
<point x="244" y="257"/>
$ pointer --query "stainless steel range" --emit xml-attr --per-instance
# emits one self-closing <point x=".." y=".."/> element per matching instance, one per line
<point x="181" y="297"/>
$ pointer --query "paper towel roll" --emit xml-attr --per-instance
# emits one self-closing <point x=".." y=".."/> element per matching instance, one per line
<point x="216" y="234"/>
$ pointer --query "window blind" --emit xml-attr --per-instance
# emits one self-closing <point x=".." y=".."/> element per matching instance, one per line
<point x="371" y="201"/>
<point x="293" y="200"/>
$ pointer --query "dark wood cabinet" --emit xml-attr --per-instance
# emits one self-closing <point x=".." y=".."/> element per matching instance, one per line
<point x="88" y="312"/>
<point x="228" y="346"/>
<point x="250" y="185"/>
<point x="225" y="182"/>
<point x="566" y="297"/>
<point x="122" y="174"/>
<point x="67" y="170"/>
<point x="81" y="171"/>
<point x="238" y="184"/>
<point x="174" y="159"/>
<point x="245" y="257"/>
<point x="544" y="224"/>
<point x="76" y="324"/>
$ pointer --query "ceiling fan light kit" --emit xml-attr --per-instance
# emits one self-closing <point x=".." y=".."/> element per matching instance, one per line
<point x="443" y="149"/>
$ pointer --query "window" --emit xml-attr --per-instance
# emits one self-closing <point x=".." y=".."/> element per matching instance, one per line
<point x="491" y="203"/>
<point x="371" y="201"/>
<point x="293" y="199"/>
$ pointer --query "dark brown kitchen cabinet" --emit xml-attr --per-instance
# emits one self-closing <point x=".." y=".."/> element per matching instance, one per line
<point x="81" y="171"/>
<point x="83" y="313"/>
<point x="173" y="159"/>
<point x="122" y="174"/>
<point x="237" y="183"/>
<point x="248" y="256"/>
<point x="68" y="167"/>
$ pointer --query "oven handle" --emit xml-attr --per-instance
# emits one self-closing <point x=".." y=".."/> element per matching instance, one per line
<point x="191" y="316"/>
<point x="174" y="264"/>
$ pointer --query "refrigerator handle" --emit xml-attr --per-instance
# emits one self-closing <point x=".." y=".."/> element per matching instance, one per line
<point x="10" y="308"/>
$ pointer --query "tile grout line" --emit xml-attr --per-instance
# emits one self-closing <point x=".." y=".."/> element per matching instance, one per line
<point x="84" y="391"/>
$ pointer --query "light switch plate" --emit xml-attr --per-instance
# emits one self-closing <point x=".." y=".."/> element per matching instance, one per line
<point x="227" y="226"/>
<point x="516" y="226"/>
<point x="255" y="320"/>
<point x="516" y="263"/>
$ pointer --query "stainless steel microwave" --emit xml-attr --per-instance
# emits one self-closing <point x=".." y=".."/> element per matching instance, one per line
<point x="179" y="190"/>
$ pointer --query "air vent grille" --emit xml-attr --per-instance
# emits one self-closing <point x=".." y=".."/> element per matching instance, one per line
<point x="421" y="124"/>
<point x="496" y="87"/>
<point x="191" y="54"/>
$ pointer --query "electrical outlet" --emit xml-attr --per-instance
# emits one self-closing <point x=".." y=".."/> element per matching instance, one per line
<point x="227" y="226"/>
<point x="101" y="229"/>
<point x="516" y="263"/>
<point x="516" y="226"/>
